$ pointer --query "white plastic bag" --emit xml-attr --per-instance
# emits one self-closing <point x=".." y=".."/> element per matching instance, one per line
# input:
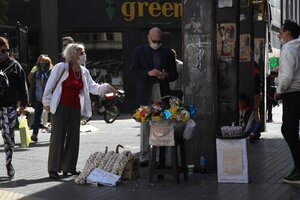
<point x="189" y="129"/>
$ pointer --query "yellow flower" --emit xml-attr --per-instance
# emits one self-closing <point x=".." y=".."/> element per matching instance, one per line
<point x="174" y="112"/>
<point x="155" y="118"/>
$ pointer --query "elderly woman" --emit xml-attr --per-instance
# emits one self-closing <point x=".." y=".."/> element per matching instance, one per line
<point x="38" y="82"/>
<point x="66" y="96"/>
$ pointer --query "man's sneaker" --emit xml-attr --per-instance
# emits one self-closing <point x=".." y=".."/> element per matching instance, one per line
<point x="10" y="170"/>
<point x="293" y="178"/>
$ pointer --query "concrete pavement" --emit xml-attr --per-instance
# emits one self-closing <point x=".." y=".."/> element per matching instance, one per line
<point x="32" y="182"/>
<point x="31" y="163"/>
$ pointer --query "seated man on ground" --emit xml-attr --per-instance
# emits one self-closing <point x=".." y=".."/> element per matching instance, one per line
<point x="247" y="119"/>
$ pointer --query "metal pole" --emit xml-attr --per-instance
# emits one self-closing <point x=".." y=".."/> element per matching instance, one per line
<point x="281" y="12"/>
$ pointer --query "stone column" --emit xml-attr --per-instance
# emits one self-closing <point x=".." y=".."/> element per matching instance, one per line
<point x="200" y="78"/>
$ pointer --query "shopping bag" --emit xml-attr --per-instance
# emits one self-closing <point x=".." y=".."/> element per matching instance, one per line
<point x="189" y="129"/>
<point x="24" y="131"/>
<point x="161" y="134"/>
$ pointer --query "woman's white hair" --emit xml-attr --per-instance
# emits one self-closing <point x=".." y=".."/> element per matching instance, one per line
<point x="70" y="53"/>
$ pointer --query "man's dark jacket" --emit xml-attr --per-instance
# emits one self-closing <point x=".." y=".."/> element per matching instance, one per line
<point x="143" y="63"/>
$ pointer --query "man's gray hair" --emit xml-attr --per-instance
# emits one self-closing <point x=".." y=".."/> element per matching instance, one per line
<point x="70" y="53"/>
<point x="68" y="38"/>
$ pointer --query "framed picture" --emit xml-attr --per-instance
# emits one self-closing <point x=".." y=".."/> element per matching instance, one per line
<point x="244" y="3"/>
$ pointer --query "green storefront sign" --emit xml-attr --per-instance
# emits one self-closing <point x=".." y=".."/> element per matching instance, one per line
<point x="274" y="62"/>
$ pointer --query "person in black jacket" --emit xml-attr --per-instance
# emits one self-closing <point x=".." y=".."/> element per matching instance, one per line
<point x="9" y="97"/>
<point x="271" y="89"/>
<point x="154" y="68"/>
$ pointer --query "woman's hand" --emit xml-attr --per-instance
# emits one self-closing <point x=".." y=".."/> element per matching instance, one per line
<point x="47" y="108"/>
<point x="22" y="110"/>
<point x="111" y="89"/>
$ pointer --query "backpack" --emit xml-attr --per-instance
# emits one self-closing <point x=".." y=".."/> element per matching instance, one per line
<point x="4" y="82"/>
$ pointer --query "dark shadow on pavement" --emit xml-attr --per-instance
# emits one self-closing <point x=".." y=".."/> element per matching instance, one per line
<point x="120" y="117"/>
<point x="10" y="183"/>
<point x="39" y="144"/>
<point x="17" y="149"/>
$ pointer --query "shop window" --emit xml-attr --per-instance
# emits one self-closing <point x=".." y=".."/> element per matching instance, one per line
<point x="104" y="56"/>
<point x="110" y="36"/>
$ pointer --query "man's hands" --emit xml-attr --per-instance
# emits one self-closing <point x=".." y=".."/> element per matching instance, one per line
<point x="277" y="96"/>
<point x="158" y="74"/>
<point x="154" y="73"/>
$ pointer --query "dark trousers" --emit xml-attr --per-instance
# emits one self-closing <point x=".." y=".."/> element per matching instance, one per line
<point x="269" y="110"/>
<point x="290" y="125"/>
<point x="64" y="140"/>
<point x="38" y="110"/>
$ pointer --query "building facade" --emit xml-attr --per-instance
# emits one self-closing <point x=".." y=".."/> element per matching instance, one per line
<point x="109" y="29"/>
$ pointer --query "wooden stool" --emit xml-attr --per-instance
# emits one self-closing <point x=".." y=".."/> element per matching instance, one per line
<point x="160" y="168"/>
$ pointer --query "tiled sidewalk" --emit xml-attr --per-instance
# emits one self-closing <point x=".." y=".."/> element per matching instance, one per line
<point x="269" y="161"/>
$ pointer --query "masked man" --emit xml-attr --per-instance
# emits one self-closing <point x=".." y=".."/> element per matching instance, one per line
<point x="154" y="68"/>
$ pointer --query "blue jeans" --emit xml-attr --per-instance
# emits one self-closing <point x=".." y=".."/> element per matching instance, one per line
<point x="255" y="128"/>
<point x="38" y="110"/>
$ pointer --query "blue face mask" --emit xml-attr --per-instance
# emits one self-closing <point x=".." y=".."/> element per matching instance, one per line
<point x="44" y="66"/>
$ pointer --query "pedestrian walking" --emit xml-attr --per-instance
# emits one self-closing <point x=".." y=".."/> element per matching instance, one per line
<point x="37" y="86"/>
<point x="271" y="89"/>
<point x="13" y="89"/>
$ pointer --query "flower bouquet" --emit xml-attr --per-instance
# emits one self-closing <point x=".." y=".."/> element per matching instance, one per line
<point x="167" y="119"/>
<point x="168" y="108"/>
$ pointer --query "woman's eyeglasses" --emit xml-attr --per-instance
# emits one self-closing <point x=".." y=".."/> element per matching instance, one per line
<point x="4" y="51"/>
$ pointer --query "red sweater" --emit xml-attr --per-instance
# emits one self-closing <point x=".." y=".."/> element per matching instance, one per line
<point x="71" y="89"/>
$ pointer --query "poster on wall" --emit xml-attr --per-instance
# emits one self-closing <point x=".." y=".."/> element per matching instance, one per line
<point x="225" y="3"/>
<point x="245" y="48"/>
<point x="226" y="39"/>
<point x="259" y="51"/>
